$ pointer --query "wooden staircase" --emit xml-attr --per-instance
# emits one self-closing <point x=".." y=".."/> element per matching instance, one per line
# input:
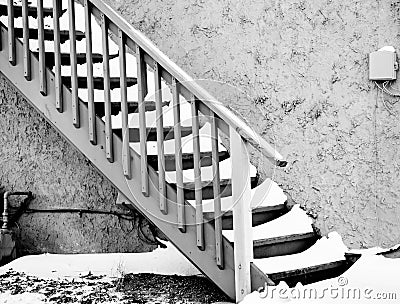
<point x="120" y="123"/>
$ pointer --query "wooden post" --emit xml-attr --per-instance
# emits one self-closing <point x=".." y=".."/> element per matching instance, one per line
<point x="242" y="216"/>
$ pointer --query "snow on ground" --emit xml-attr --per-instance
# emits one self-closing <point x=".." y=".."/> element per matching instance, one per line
<point x="167" y="261"/>
<point x="84" y="276"/>
<point x="372" y="279"/>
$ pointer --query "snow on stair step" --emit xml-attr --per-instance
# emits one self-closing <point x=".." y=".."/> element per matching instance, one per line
<point x="96" y="48"/>
<point x="187" y="143"/>
<point x="64" y="25"/>
<point x="46" y="3"/>
<point x="206" y="173"/>
<point x="151" y="117"/>
<point x="32" y="11"/>
<point x="132" y="92"/>
<point x="268" y="193"/>
<point x="325" y="250"/>
<point x="296" y="221"/>
<point x="98" y="68"/>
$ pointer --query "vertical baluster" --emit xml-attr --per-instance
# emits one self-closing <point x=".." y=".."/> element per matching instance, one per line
<point x="197" y="174"/>
<point x="107" y="95"/>
<point x="178" y="156"/>
<point x="126" y="152"/>
<point x="242" y="216"/>
<point x="42" y="51"/>
<point x="74" y="69"/>
<point x="57" y="56"/>
<point x="142" y="90"/>
<point x="162" y="189"/>
<point x="89" y="63"/>
<point x="219" y="249"/>
<point x="11" y="36"/>
<point x="25" y="26"/>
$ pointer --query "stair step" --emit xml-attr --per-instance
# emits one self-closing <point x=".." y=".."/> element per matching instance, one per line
<point x="98" y="82"/>
<point x="315" y="273"/>
<point x="132" y="107"/>
<point x="65" y="58"/>
<point x="261" y="215"/>
<point x="152" y="133"/>
<point x="187" y="160"/>
<point x="268" y="202"/>
<point x="207" y="188"/>
<point x="32" y="11"/>
<point x="48" y="34"/>
<point x="284" y="245"/>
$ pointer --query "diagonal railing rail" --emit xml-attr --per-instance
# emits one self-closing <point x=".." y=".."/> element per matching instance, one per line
<point x="181" y="84"/>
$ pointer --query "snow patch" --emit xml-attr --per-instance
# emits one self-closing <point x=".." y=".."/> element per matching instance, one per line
<point x="168" y="261"/>
<point x="325" y="250"/>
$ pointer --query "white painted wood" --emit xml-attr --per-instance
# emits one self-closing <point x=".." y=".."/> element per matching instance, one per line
<point x="188" y="85"/>
<point x="242" y="219"/>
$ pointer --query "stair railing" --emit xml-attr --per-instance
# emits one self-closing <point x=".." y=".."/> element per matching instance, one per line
<point x="221" y="119"/>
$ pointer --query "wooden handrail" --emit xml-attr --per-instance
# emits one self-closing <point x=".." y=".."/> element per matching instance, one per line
<point x="244" y="130"/>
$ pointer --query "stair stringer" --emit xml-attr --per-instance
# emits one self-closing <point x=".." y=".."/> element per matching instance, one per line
<point x="205" y="260"/>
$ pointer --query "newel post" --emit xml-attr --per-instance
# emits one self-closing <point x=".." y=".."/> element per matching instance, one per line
<point x="242" y="216"/>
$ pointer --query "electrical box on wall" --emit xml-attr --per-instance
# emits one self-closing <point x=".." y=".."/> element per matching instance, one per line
<point x="383" y="64"/>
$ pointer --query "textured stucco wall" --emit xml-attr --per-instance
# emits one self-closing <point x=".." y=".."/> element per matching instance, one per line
<point x="34" y="157"/>
<point x="304" y="65"/>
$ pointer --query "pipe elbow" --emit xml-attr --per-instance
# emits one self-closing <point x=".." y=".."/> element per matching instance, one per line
<point x="7" y="194"/>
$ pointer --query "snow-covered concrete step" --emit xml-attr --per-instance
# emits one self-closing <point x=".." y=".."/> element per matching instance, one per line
<point x="326" y="250"/>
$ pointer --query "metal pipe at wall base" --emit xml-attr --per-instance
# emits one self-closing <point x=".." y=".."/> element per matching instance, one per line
<point x="5" y="214"/>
